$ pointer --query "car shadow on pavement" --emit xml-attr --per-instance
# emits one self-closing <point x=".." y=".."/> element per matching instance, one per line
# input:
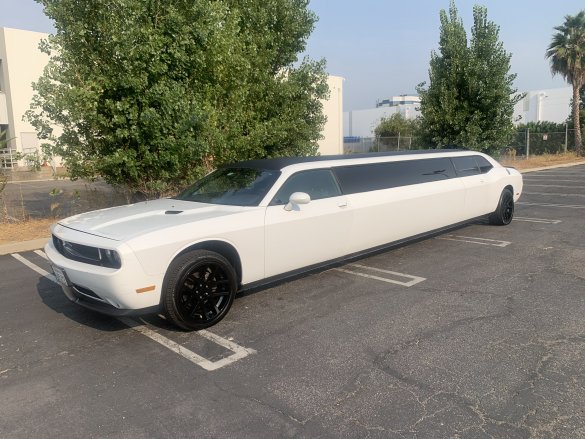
<point x="53" y="297"/>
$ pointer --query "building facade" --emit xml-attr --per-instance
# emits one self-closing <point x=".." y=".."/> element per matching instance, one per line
<point x="550" y="105"/>
<point x="332" y="141"/>
<point x="362" y="123"/>
<point x="21" y="64"/>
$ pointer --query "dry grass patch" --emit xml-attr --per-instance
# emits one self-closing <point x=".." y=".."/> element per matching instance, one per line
<point x="544" y="160"/>
<point x="25" y="230"/>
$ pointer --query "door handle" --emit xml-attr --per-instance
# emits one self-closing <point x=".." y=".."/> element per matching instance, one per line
<point x="342" y="204"/>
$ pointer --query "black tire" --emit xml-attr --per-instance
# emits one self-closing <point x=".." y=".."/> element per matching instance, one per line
<point x="504" y="213"/>
<point x="199" y="289"/>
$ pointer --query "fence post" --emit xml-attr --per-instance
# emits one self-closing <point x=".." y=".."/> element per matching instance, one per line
<point x="566" y="136"/>
<point x="527" y="142"/>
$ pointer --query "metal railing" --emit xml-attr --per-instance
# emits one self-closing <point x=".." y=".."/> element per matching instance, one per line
<point x="8" y="158"/>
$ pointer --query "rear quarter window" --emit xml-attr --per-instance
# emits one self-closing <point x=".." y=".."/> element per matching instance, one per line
<point x="465" y="166"/>
<point x="483" y="164"/>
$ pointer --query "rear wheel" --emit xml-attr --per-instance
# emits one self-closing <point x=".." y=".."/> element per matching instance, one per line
<point x="504" y="213"/>
<point x="199" y="289"/>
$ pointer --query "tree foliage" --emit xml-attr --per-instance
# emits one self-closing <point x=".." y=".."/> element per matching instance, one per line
<point x="396" y="124"/>
<point x="566" y="54"/>
<point x="151" y="94"/>
<point x="470" y="99"/>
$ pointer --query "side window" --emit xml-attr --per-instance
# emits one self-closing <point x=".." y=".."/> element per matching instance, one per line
<point x="377" y="176"/>
<point x="319" y="183"/>
<point x="465" y="166"/>
<point x="484" y="165"/>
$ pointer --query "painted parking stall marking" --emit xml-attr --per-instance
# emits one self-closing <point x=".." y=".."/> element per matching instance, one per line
<point x="405" y="280"/>
<point x="35" y="267"/>
<point x="239" y="352"/>
<point x="555" y="185"/>
<point x="554" y="194"/>
<point x="537" y="220"/>
<point x="475" y="240"/>
<point x="566" y="206"/>
<point x="528" y="182"/>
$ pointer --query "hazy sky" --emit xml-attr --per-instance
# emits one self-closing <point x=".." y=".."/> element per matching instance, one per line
<point x="382" y="47"/>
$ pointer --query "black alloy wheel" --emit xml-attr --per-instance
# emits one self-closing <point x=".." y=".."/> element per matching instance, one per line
<point x="200" y="287"/>
<point x="504" y="213"/>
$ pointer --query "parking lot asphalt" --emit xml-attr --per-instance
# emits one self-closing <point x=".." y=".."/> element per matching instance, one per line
<point x="478" y="332"/>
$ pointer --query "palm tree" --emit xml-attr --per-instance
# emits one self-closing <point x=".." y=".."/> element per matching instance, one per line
<point x="566" y="53"/>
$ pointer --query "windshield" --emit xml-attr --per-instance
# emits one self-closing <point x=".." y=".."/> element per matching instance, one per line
<point x="232" y="186"/>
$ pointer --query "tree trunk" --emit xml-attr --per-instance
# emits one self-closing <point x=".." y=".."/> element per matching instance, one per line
<point x="576" y="121"/>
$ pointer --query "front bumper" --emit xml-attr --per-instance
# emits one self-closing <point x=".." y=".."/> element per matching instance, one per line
<point x="77" y="296"/>
<point x="107" y="290"/>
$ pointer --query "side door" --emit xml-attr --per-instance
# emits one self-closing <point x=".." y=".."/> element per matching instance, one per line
<point x="476" y="186"/>
<point x="308" y="233"/>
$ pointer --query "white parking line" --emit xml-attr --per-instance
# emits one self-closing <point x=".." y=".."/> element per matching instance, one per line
<point x="413" y="279"/>
<point x="527" y="180"/>
<point x="554" y="194"/>
<point x="239" y="352"/>
<point x="34" y="267"/>
<point x="570" y="176"/>
<point x="41" y="254"/>
<point x="536" y="220"/>
<point x="568" y="206"/>
<point x="474" y="240"/>
<point x="554" y="185"/>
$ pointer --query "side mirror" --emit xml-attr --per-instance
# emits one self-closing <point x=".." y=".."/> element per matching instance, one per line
<point x="297" y="198"/>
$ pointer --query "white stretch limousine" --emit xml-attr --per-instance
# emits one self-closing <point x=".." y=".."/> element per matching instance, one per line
<point x="258" y="221"/>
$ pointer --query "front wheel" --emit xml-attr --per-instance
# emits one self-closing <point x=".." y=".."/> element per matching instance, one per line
<point x="199" y="289"/>
<point x="504" y="213"/>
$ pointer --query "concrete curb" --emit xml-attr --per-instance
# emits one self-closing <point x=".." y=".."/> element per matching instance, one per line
<point x="35" y="244"/>
<point x="564" y="165"/>
<point x="23" y="246"/>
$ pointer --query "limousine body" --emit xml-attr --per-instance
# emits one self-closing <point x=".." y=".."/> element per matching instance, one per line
<point x="257" y="221"/>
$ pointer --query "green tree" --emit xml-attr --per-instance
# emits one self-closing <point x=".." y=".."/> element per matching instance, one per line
<point x="151" y="94"/>
<point x="470" y="99"/>
<point x="566" y="54"/>
<point x="396" y="124"/>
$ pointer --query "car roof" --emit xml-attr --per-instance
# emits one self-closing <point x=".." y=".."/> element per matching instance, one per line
<point x="282" y="162"/>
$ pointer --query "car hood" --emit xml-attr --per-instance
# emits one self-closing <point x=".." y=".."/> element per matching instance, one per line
<point x="125" y="222"/>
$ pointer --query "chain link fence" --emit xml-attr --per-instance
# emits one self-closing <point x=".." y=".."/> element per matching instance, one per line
<point x="524" y="143"/>
<point x="356" y="145"/>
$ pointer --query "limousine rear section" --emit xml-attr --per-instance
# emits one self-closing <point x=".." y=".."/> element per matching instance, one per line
<point x="254" y="222"/>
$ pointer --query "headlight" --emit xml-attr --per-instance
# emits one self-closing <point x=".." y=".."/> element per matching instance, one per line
<point x="89" y="255"/>
<point x="110" y="258"/>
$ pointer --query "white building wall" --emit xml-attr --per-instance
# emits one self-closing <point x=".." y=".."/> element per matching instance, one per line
<point x="362" y="123"/>
<point x="551" y="105"/>
<point x="22" y="63"/>
<point x="332" y="141"/>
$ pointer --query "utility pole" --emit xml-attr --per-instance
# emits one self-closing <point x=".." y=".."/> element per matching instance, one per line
<point x="399" y="141"/>
<point x="566" y="136"/>
<point x="527" y="142"/>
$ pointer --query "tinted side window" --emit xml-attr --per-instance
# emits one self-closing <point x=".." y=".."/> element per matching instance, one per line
<point x="484" y="165"/>
<point x="465" y="166"/>
<point x="319" y="184"/>
<point x="377" y="176"/>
